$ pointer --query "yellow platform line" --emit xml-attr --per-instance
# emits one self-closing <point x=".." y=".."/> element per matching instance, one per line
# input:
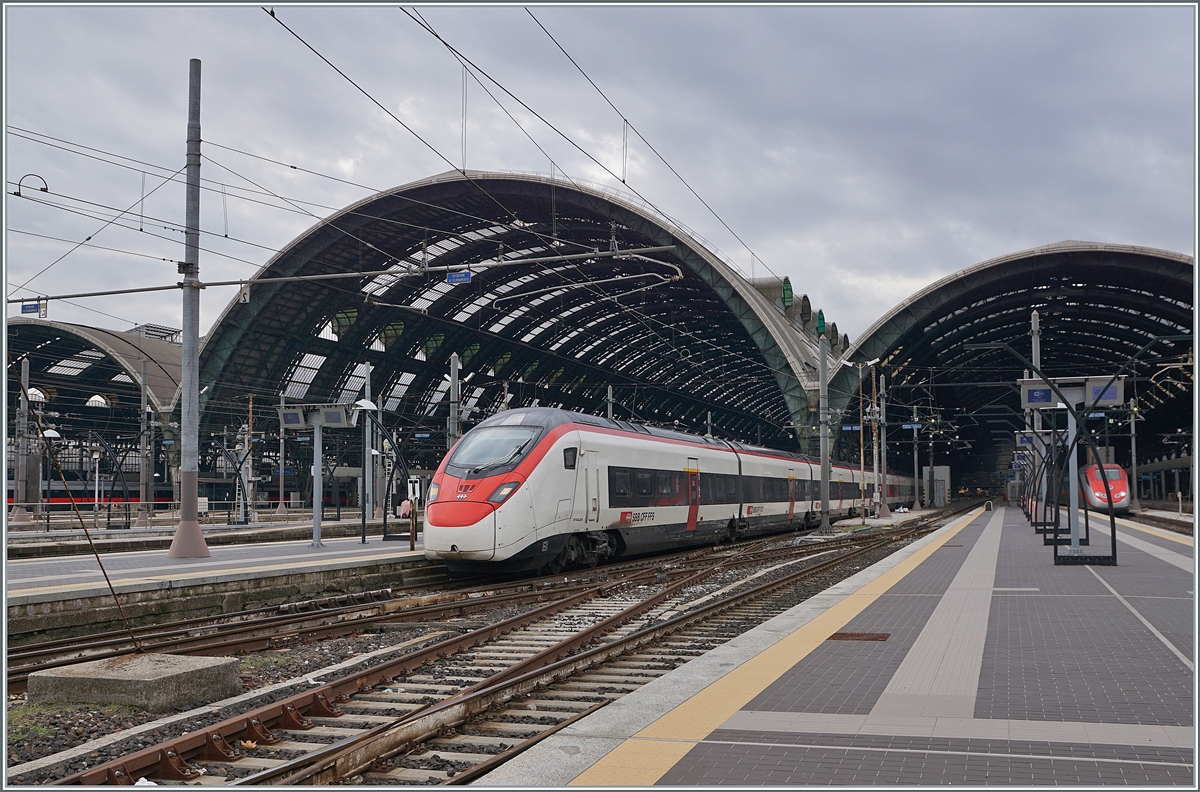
<point x="1159" y="532"/>
<point x="178" y="576"/>
<point x="644" y="758"/>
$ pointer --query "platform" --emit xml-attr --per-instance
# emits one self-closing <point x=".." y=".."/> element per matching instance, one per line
<point x="55" y="594"/>
<point x="996" y="667"/>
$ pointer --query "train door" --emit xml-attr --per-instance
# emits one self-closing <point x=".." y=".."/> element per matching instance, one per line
<point x="791" y="493"/>
<point x="593" y="474"/>
<point x="693" y="488"/>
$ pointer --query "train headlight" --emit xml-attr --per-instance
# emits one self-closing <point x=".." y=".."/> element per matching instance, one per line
<point x="503" y="491"/>
<point x="433" y="491"/>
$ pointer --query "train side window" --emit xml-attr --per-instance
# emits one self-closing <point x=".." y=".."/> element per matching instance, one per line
<point x="620" y="484"/>
<point x="645" y="483"/>
<point x="569" y="455"/>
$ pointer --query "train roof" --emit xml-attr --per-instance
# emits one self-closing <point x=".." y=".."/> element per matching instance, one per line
<point x="550" y="417"/>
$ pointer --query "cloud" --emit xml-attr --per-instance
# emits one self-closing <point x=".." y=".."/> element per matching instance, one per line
<point x="863" y="151"/>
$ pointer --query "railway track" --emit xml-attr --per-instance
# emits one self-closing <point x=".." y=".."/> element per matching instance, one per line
<point x="471" y="700"/>
<point x="297" y="623"/>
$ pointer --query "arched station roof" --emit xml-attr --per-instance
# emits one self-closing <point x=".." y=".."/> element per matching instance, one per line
<point x="1097" y="305"/>
<point x="72" y="363"/>
<point x="677" y="332"/>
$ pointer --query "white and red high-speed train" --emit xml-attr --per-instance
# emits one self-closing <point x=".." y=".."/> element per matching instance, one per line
<point x="545" y="488"/>
<point x="1096" y="492"/>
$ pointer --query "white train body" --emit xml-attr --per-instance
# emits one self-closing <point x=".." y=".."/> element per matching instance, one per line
<point x="542" y="487"/>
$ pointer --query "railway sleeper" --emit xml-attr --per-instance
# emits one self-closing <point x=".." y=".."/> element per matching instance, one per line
<point x="405" y="774"/>
<point x="517" y="730"/>
<point x="550" y="705"/>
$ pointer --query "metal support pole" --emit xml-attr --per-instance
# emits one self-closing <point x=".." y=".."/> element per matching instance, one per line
<point x="452" y="421"/>
<point x="1134" y="482"/>
<point x="825" y="528"/>
<point x="367" y="474"/>
<point x="1073" y="484"/>
<point x="281" y="508"/>
<point x="145" y="483"/>
<point x="318" y="477"/>
<point x="708" y="425"/>
<point x="916" y="465"/>
<point x="189" y="538"/>
<point x="21" y="476"/>
<point x="862" y="446"/>
<point x="884" y="512"/>
<point x="610" y="402"/>
<point x="874" y="440"/>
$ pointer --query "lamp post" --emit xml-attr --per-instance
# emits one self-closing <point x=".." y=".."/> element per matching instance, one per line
<point x="365" y="405"/>
<point x="48" y="436"/>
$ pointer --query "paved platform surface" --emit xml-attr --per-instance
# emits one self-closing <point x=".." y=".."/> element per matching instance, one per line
<point x="72" y="576"/>
<point x="998" y="668"/>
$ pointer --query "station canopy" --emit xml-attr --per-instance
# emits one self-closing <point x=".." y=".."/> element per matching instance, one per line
<point x="1098" y="305"/>
<point x="86" y="378"/>
<point x="549" y="291"/>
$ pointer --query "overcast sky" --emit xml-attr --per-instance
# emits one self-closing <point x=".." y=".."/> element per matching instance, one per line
<point x="864" y="152"/>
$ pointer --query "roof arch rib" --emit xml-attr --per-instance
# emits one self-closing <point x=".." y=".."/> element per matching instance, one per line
<point x="561" y="324"/>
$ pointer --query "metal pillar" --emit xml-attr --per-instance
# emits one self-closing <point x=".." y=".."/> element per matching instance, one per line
<point x="862" y="435"/>
<point x="1134" y="483"/>
<point x="145" y="483"/>
<point x="189" y="538"/>
<point x="367" y="474"/>
<point x="318" y="477"/>
<point x="884" y="512"/>
<point x="21" y="476"/>
<point x="708" y="425"/>
<point x="823" y="415"/>
<point x="610" y="402"/>
<point x="1073" y="484"/>
<point x="281" y="508"/>
<point x="452" y="421"/>
<point x="916" y="465"/>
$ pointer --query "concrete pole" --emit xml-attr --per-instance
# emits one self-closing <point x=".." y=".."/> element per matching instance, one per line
<point x="1134" y="505"/>
<point x="884" y="512"/>
<point x="823" y="416"/>
<point x="21" y="476"/>
<point x="452" y="421"/>
<point x="189" y="538"/>
<point x="281" y="508"/>
<point x="318" y="477"/>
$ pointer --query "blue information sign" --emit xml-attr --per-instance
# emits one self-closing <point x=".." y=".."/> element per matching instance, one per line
<point x="29" y="308"/>
<point x="286" y="471"/>
<point x="910" y="426"/>
<point x="458" y="277"/>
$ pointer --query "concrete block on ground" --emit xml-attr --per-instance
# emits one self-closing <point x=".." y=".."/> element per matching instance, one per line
<point x="153" y="682"/>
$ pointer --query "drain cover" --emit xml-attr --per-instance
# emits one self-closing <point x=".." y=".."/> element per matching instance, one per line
<point x="853" y="636"/>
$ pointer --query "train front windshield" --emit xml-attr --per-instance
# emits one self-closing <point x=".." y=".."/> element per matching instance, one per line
<point x="1112" y="474"/>
<point x="493" y="445"/>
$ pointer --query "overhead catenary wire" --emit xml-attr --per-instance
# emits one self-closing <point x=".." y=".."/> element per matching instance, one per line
<point x="629" y="125"/>
<point x="641" y="316"/>
<point x="44" y="269"/>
